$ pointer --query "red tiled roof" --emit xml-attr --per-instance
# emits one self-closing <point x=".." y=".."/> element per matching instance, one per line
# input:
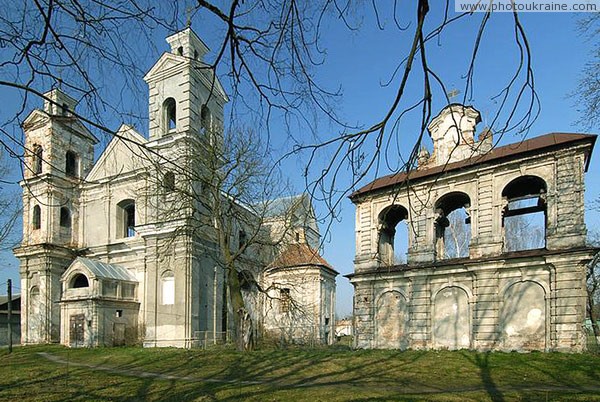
<point x="517" y="149"/>
<point x="299" y="255"/>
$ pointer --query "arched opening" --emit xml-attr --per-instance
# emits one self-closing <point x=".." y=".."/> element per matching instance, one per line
<point x="390" y="249"/>
<point x="180" y="51"/>
<point x="195" y="55"/>
<point x="169" y="182"/>
<point x="524" y="214"/>
<point x="169" y="115"/>
<point x="126" y="218"/>
<point x="72" y="164"/>
<point x="167" y="281"/>
<point x="34" y="321"/>
<point x="452" y="226"/>
<point x="79" y="281"/>
<point x="36" y="219"/>
<point x="205" y="118"/>
<point x="38" y="157"/>
<point x="65" y="217"/>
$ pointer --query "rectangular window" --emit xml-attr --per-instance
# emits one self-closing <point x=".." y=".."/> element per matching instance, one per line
<point x="284" y="301"/>
<point x="109" y="288"/>
<point x="168" y="290"/>
<point x="128" y="290"/>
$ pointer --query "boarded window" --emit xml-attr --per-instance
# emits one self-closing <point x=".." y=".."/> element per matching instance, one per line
<point x="168" y="288"/>
<point x="128" y="290"/>
<point x="284" y="300"/>
<point x="109" y="288"/>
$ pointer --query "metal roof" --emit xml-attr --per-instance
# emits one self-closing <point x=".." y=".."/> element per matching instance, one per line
<point x="530" y="146"/>
<point x="106" y="271"/>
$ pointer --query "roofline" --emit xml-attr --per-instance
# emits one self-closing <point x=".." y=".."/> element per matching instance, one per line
<point x="478" y="160"/>
<point x="308" y="264"/>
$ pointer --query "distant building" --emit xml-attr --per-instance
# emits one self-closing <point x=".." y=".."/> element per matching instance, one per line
<point x="15" y="319"/>
<point x="343" y="327"/>
<point x="108" y="256"/>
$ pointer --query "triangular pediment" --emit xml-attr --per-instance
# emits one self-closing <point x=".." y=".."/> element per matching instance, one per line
<point x="35" y="118"/>
<point x="124" y="154"/>
<point x="166" y="62"/>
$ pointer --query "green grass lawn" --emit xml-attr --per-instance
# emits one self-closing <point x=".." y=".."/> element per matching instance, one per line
<point x="332" y="374"/>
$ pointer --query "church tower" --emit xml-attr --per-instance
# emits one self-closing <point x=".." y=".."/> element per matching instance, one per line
<point x="59" y="152"/>
<point x="185" y="95"/>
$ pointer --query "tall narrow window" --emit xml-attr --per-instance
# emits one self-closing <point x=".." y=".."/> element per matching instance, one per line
<point x="126" y="218"/>
<point x="38" y="157"/>
<point x="284" y="300"/>
<point x="205" y="118"/>
<point x="393" y="246"/>
<point x="180" y="50"/>
<point x="524" y="217"/>
<point x="169" y="182"/>
<point x="169" y="115"/>
<point x="242" y="239"/>
<point x="72" y="164"/>
<point x="452" y="226"/>
<point x="65" y="217"/>
<point x="168" y="287"/>
<point x="36" y="220"/>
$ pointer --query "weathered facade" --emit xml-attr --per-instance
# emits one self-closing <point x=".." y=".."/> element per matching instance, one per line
<point x="114" y="250"/>
<point x="474" y="276"/>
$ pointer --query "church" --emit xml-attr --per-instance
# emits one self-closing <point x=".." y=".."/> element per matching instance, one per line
<point x="116" y="251"/>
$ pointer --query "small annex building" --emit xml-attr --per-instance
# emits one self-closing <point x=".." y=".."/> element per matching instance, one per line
<point x="99" y="304"/>
<point x="497" y="253"/>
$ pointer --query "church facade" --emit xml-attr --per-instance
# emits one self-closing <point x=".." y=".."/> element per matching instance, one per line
<point x="497" y="254"/>
<point x="113" y="253"/>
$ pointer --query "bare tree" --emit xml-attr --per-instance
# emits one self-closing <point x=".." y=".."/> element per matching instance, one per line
<point x="588" y="90"/>
<point x="267" y="53"/>
<point x="10" y="208"/>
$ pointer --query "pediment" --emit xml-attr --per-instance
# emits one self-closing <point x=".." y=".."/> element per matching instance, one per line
<point x="125" y="153"/>
<point x="35" y="118"/>
<point x="166" y="62"/>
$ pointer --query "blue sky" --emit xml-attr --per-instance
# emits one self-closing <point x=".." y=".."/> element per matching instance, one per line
<point x="359" y="62"/>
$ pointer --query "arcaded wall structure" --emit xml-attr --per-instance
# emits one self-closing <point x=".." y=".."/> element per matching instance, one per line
<point x="496" y="252"/>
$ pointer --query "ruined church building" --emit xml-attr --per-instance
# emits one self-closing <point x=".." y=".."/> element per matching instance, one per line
<point x="474" y="276"/>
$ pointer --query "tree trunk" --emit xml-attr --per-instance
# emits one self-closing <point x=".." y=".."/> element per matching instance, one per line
<point x="243" y="325"/>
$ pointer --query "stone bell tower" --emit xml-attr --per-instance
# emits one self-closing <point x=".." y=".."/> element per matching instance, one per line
<point x="59" y="152"/>
<point x="184" y="93"/>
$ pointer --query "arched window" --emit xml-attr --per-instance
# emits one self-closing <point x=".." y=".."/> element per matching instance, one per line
<point x="205" y="118"/>
<point x="126" y="218"/>
<point x="524" y="214"/>
<point x="168" y="287"/>
<point x="36" y="219"/>
<point x="72" y="164"/>
<point x="180" y="50"/>
<point x="195" y="55"/>
<point x="38" y="158"/>
<point x="65" y="217"/>
<point x="169" y="182"/>
<point x="169" y="115"/>
<point x="390" y="249"/>
<point x="452" y="226"/>
<point x="79" y="281"/>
